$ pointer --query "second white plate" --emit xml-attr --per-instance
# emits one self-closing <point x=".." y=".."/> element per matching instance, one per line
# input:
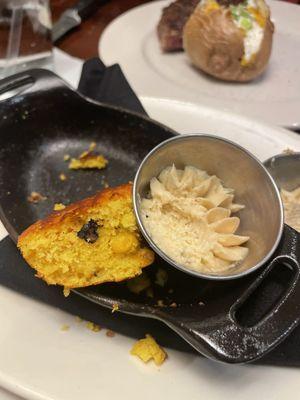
<point x="131" y="41"/>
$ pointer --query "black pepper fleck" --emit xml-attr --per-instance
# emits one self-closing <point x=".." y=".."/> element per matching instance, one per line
<point x="89" y="232"/>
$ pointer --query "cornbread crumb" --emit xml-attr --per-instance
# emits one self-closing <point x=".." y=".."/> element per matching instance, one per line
<point x="67" y="157"/>
<point x="115" y="307"/>
<point x="161" y="277"/>
<point x="147" y="349"/>
<point x="58" y="206"/>
<point x="110" y="333"/>
<point x="138" y="284"/>
<point x="104" y="183"/>
<point x="88" y="162"/>
<point x="93" y="327"/>
<point x="149" y="292"/>
<point x="36" y="197"/>
<point x="65" y="327"/>
<point x="62" y="177"/>
<point x="66" y="291"/>
<point x="288" y="151"/>
<point x="92" y="146"/>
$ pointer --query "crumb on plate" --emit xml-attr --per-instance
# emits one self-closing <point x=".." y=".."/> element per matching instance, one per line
<point x="147" y="349"/>
<point x="36" y="197"/>
<point x="93" y="327"/>
<point x="65" y="327"/>
<point x="78" y="319"/>
<point x="110" y="333"/>
<point x="58" y="206"/>
<point x="62" y="177"/>
<point x="288" y="151"/>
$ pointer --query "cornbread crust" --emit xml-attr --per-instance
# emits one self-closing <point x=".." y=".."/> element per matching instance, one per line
<point x="52" y="247"/>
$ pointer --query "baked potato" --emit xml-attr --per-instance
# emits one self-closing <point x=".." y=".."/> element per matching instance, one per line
<point x="230" y="40"/>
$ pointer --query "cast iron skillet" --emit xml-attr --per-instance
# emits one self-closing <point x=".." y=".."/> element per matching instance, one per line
<point x="236" y="321"/>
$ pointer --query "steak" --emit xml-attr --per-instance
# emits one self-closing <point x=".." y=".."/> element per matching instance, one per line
<point x="171" y="24"/>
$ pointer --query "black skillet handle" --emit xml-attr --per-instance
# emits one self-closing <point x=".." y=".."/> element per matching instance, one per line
<point x="222" y="338"/>
<point x="31" y="81"/>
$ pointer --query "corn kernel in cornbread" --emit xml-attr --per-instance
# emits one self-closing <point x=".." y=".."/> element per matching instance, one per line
<point x="147" y="349"/>
<point x="90" y="242"/>
<point x="124" y="243"/>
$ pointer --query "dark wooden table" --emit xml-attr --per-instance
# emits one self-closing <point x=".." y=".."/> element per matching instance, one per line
<point x="83" y="41"/>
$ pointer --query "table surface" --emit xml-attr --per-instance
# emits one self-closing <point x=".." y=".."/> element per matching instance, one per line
<point x="83" y="41"/>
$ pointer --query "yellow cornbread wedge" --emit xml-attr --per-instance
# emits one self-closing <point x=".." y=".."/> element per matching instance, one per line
<point x="92" y="241"/>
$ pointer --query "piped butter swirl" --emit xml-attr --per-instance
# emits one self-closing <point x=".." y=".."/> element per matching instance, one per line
<point x="189" y="217"/>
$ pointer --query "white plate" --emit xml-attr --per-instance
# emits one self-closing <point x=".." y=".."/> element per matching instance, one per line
<point x="39" y="361"/>
<point x="131" y="41"/>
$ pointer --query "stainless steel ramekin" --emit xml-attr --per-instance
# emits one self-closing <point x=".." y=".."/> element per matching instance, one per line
<point x="262" y="218"/>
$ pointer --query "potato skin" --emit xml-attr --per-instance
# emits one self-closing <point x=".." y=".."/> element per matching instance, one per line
<point x="215" y="45"/>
